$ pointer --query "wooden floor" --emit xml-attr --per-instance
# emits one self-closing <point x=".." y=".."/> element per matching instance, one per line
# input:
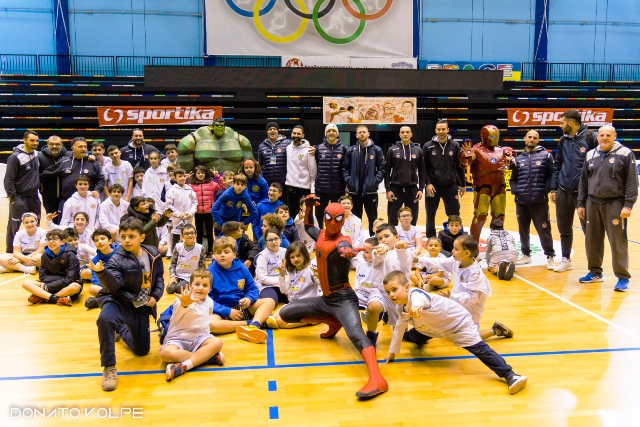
<point x="578" y="344"/>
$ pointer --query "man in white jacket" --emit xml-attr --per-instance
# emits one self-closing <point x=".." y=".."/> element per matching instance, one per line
<point x="80" y="201"/>
<point x="182" y="202"/>
<point x="301" y="170"/>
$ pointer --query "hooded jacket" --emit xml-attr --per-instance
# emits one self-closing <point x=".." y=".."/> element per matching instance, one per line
<point x="301" y="166"/>
<point x="230" y="286"/>
<point x="258" y="189"/>
<point x="121" y="279"/>
<point x="329" y="158"/>
<point x="104" y="258"/>
<point x="501" y="245"/>
<point x="50" y="188"/>
<point x="609" y="176"/>
<point x="404" y="166"/>
<point x="567" y="166"/>
<point x="22" y="176"/>
<point x="62" y="269"/>
<point x="290" y="231"/>
<point x="68" y="169"/>
<point x="274" y="171"/>
<point x="263" y="208"/>
<point x="228" y="207"/>
<point x="531" y="176"/>
<point x="138" y="156"/>
<point x="77" y="203"/>
<point x="373" y="169"/>
<point x="442" y="164"/>
<point x="149" y="225"/>
<point x="205" y="193"/>
<point x="181" y="200"/>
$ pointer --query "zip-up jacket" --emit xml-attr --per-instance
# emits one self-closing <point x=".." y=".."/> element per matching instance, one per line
<point x="149" y="225"/>
<point x="22" y="176"/>
<point x="258" y="189"/>
<point x="374" y="170"/>
<point x="404" y="166"/>
<point x="61" y="269"/>
<point x="442" y="164"/>
<point x="230" y="286"/>
<point x="263" y="208"/>
<point x="290" y="231"/>
<point x="138" y="156"/>
<point x="181" y="200"/>
<point x="104" y="258"/>
<point x="68" y="169"/>
<point x="205" y="193"/>
<point x="301" y="166"/>
<point x="567" y="166"/>
<point x="121" y="279"/>
<point x="329" y="158"/>
<point x="228" y="207"/>
<point x="609" y="176"/>
<point x="531" y="176"/>
<point x="276" y="172"/>
<point x="50" y="189"/>
<point x="77" y="203"/>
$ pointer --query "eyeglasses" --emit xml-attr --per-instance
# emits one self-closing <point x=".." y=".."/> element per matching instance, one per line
<point x="405" y="216"/>
<point x="53" y="239"/>
<point x="191" y="233"/>
<point x="275" y="239"/>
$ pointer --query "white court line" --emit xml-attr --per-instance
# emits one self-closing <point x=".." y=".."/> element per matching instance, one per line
<point x="584" y="310"/>
<point x="16" y="278"/>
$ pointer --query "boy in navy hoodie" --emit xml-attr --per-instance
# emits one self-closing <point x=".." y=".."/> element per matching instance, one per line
<point x="290" y="231"/>
<point x="105" y="248"/>
<point x="237" y="304"/>
<point x="452" y="230"/>
<point x="232" y="204"/>
<point x="132" y="282"/>
<point x="59" y="273"/>
<point x="266" y="207"/>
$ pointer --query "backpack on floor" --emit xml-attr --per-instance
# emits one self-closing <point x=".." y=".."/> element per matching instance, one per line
<point x="163" y="323"/>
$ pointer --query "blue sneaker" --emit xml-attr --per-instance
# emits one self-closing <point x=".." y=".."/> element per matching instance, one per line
<point x="622" y="285"/>
<point x="591" y="278"/>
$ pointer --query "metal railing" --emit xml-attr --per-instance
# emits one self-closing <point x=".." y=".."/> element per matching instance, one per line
<point x="122" y="66"/>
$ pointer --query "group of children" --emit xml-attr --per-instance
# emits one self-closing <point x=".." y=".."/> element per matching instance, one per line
<point x="118" y="246"/>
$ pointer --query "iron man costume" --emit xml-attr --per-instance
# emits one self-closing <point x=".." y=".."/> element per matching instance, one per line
<point x="338" y="305"/>
<point x="488" y="161"/>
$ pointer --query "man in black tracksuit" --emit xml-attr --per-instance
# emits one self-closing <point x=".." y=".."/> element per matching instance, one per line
<point x="51" y="188"/>
<point x="137" y="151"/>
<point x="329" y="180"/>
<point x="404" y="177"/>
<point x="567" y="167"/>
<point x="530" y="180"/>
<point x="363" y="171"/>
<point x="21" y="182"/>
<point x="444" y="177"/>
<point x="70" y="167"/>
<point x="608" y="190"/>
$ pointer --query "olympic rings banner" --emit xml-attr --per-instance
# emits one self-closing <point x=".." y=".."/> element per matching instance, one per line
<point x="380" y="28"/>
<point x="370" y="110"/>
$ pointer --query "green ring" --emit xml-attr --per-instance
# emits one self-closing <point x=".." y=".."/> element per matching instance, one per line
<point x="336" y="40"/>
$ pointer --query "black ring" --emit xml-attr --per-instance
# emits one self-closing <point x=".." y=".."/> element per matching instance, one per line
<point x="321" y="13"/>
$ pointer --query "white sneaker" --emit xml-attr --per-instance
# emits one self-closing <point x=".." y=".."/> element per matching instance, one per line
<point x="565" y="265"/>
<point x="4" y="270"/>
<point x="551" y="264"/>
<point x="524" y="259"/>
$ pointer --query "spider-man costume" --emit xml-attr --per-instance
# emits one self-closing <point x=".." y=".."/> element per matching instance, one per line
<point x="488" y="162"/>
<point x="338" y="307"/>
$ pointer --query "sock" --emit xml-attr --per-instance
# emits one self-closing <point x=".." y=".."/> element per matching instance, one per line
<point x="53" y="299"/>
<point x="494" y="331"/>
<point x="254" y="323"/>
<point x="189" y="364"/>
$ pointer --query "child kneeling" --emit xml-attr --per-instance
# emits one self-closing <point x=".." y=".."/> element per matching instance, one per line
<point x="189" y="342"/>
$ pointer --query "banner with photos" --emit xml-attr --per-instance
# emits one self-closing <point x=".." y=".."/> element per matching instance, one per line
<point x="382" y="110"/>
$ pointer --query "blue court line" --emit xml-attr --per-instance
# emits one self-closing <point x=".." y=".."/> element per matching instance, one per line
<point x="271" y="356"/>
<point x="273" y="413"/>
<point x="272" y="386"/>
<point x="326" y="364"/>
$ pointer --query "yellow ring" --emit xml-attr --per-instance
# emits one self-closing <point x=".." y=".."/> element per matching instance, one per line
<point x="279" y="39"/>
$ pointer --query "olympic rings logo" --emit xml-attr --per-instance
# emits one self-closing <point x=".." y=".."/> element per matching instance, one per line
<point x="263" y="7"/>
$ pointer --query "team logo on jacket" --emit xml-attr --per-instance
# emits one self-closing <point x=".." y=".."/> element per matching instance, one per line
<point x="241" y="284"/>
<point x="615" y="221"/>
<point x="255" y="188"/>
<point x="538" y="163"/>
<point x="194" y="258"/>
<point x="544" y="225"/>
<point x="582" y="149"/>
<point x="413" y="156"/>
<point x="239" y="204"/>
<point x="93" y="206"/>
<point x="230" y="203"/>
<point x="279" y="150"/>
<point x="371" y="157"/>
<point x="86" y="171"/>
<point x="161" y="181"/>
<point x="451" y="153"/>
<point x="302" y="280"/>
<point x="339" y="155"/>
<point x="612" y="160"/>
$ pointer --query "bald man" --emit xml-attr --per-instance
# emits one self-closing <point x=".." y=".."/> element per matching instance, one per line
<point x="530" y="184"/>
<point x="607" y="192"/>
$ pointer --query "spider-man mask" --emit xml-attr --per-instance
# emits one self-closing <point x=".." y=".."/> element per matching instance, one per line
<point x="333" y="219"/>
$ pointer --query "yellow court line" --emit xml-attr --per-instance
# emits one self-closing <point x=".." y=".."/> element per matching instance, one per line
<point x="584" y="310"/>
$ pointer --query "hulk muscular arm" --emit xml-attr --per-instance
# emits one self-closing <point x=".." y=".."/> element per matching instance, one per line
<point x="247" y="152"/>
<point x="186" y="149"/>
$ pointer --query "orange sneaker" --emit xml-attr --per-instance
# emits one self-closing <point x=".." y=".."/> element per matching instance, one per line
<point x="35" y="299"/>
<point x="251" y="333"/>
<point x="64" y="301"/>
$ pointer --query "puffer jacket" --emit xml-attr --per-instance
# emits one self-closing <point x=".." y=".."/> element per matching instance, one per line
<point x="374" y="170"/>
<point x="531" y="176"/>
<point x="569" y="160"/>
<point x="63" y="268"/>
<point x="149" y="225"/>
<point x="274" y="172"/>
<point x="329" y="160"/>
<point x="121" y="279"/>
<point x="205" y="193"/>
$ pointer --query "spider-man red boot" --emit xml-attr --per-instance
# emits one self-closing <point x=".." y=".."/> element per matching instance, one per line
<point x="332" y="322"/>
<point x="377" y="384"/>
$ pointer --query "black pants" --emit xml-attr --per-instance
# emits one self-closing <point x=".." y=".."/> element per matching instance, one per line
<point x="482" y="351"/>
<point x="566" y="204"/>
<point x="17" y="207"/>
<point x="274" y="293"/>
<point x="325" y="199"/>
<point x="294" y="194"/>
<point x="51" y="206"/>
<point x="343" y="305"/>
<point x="449" y="195"/>
<point x="404" y="196"/>
<point x="539" y="214"/>
<point x="131" y="323"/>
<point x="204" y="228"/>
<point x="370" y="204"/>
<point x="603" y="218"/>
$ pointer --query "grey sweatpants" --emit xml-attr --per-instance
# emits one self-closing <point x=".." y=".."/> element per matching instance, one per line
<point x="603" y="218"/>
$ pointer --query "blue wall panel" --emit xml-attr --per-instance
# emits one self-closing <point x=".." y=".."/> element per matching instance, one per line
<point x="24" y="31"/>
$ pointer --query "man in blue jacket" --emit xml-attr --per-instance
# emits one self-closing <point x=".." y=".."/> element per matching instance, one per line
<point x="329" y="180"/>
<point x="272" y="155"/>
<point x="530" y="180"/>
<point x="363" y="171"/>
<point x="567" y="167"/>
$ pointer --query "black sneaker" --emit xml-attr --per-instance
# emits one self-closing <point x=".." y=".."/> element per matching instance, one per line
<point x="517" y="383"/>
<point x="508" y="274"/>
<point x="502" y="268"/>
<point x="91" y="302"/>
<point x="502" y="331"/>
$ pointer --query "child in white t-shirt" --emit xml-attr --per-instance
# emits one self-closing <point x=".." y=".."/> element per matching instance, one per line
<point x="407" y="232"/>
<point x="429" y="278"/>
<point x="28" y="247"/>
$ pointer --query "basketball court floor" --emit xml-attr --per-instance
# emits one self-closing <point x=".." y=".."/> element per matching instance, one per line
<point x="579" y="344"/>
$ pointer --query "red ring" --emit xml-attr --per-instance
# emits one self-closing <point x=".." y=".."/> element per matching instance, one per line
<point x="366" y="17"/>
